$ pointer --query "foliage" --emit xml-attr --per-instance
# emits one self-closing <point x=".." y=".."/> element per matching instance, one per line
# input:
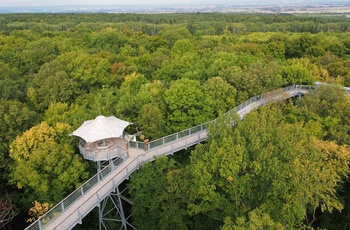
<point x="12" y="86"/>
<point x="221" y="94"/>
<point x="331" y="105"/>
<point x="52" y="84"/>
<point x="167" y="72"/>
<point x="151" y="121"/>
<point x="153" y="208"/>
<point x="16" y="118"/>
<point x="44" y="163"/>
<point x="38" y="210"/>
<point x="257" y="220"/>
<point x="186" y="104"/>
<point x="264" y="163"/>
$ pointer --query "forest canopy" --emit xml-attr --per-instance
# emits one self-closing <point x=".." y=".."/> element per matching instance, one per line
<point x="283" y="166"/>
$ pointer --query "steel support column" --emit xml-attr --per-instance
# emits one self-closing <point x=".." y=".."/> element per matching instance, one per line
<point x="111" y="212"/>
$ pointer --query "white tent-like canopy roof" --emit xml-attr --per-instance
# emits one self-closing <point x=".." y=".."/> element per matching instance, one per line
<point x="101" y="128"/>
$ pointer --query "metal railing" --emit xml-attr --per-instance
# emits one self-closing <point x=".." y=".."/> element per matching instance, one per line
<point x="167" y="139"/>
<point x="101" y="155"/>
<point x="263" y="99"/>
<point x="74" y="196"/>
<point x="144" y="158"/>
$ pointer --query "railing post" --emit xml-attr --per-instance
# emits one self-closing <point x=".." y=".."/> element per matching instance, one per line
<point x="80" y="219"/>
<point x="177" y="136"/>
<point x="62" y="206"/>
<point x="39" y="223"/>
<point x="82" y="190"/>
<point x="112" y="166"/>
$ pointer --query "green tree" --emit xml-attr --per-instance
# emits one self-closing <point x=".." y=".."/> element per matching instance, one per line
<point x="90" y="71"/>
<point x="221" y="94"/>
<point x="74" y="114"/>
<point x="297" y="73"/>
<point x="181" y="66"/>
<point x="151" y="121"/>
<point x="108" y="39"/>
<point x="181" y="47"/>
<point x="255" y="79"/>
<point x="148" y="188"/>
<point x="306" y="45"/>
<point x="52" y="84"/>
<point x="128" y="105"/>
<point x="186" y="105"/>
<point x="101" y="101"/>
<point x="37" y="53"/>
<point x="172" y="34"/>
<point x="266" y="164"/>
<point x="276" y="49"/>
<point x="256" y="220"/>
<point x="16" y="118"/>
<point x="331" y="104"/>
<point x="12" y="85"/>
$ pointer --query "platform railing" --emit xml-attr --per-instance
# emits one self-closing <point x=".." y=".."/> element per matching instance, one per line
<point x="101" y="155"/>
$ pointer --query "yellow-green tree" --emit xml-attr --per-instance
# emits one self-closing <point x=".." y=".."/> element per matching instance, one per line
<point x="45" y="165"/>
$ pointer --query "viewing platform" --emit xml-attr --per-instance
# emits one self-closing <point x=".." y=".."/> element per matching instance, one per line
<point x="104" y="150"/>
<point x="102" y="139"/>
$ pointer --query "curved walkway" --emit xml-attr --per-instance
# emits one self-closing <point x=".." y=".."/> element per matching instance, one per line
<point x="71" y="210"/>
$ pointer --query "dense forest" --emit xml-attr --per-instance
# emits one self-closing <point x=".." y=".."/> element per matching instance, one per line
<point x="285" y="166"/>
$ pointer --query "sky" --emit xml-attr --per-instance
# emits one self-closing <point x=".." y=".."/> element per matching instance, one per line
<point x="5" y="3"/>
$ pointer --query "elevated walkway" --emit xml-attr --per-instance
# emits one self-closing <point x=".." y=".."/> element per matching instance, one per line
<point x="71" y="210"/>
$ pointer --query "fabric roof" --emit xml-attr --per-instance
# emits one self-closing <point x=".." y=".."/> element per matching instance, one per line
<point x="101" y="128"/>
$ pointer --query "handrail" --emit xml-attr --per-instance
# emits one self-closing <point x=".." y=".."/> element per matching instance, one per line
<point x="79" y="192"/>
<point x="265" y="96"/>
<point x="71" y="198"/>
<point x="103" y="155"/>
<point x="124" y="169"/>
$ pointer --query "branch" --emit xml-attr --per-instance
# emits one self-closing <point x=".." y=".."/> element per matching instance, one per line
<point x="3" y="162"/>
<point x="7" y="210"/>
